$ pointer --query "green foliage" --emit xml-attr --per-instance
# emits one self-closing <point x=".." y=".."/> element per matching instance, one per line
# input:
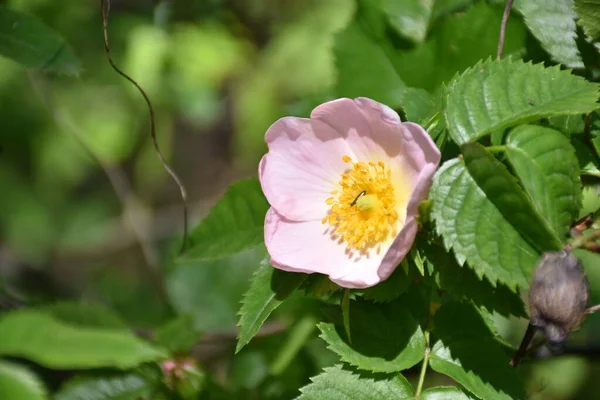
<point x="456" y="43"/>
<point x="385" y="337"/>
<point x="409" y="18"/>
<point x="177" y="335"/>
<point x="210" y="291"/>
<point x="54" y="344"/>
<point x="86" y="315"/>
<point x="472" y="226"/>
<point x="560" y="40"/>
<point x="466" y="351"/>
<point x="268" y="288"/>
<point x="364" y="68"/>
<point x="502" y="189"/>
<point x="124" y="386"/>
<point x="19" y="383"/>
<point x="338" y="383"/>
<point x="589" y="17"/>
<point x="233" y="225"/>
<point x="390" y="289"/>
<point x="493" y="95"/>
<point x="26" y="40"/>
<point x="546" y="164"/>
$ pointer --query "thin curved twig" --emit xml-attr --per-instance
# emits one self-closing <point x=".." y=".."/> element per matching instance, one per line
<point x="503" y="28"/>
<point x="105" y="10"/>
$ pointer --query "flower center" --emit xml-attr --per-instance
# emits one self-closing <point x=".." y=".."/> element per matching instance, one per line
<point x="363" y="211"/>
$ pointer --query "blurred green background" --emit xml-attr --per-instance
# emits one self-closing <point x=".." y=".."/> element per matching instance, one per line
<point x="87" y="212"/>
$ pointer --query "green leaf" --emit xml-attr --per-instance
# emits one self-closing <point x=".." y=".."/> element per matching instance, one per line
<point x="456" y="43"/>
<point x="588" y="161"/>
<point x="472" y="226"/>
<point x="591" y="200"/>
<point x="268" y="289"/>
<point x="51" y="343"/>
<point x="463" y="284"/>
<point x="211" y="291"/>
<point x="552" y="22"/>
<point x="177" y="335"/>
<point x="385" y="337"/>
<point x="494" y="95"/>
<point x="410" y="18"/>
<point x="589" y="17"/>
<point x="502" y="189"/>
<point x="235" y="224"/>
<point x="18" y="383"/>
<point x="85" y="315"/>
<point x="28" y="41"/>
<point x="338" y="383"/>
<point x="126" y="386"/>
<point x="365" y="69"/>
<point x="471" y="356"/>
<point x="545" y="162"/>
<point x="445" y="393"/>
<point x="418" y="105"/>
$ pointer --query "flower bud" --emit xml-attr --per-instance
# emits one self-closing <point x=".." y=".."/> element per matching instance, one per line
<point x="558" y="297"/>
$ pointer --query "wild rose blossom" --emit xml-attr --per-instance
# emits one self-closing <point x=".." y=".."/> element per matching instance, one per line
<point x="344" y="188"/>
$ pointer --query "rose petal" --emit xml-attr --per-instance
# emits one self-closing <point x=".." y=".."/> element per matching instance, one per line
<point x="307" y="247"/>
<point x="303" y="165"/>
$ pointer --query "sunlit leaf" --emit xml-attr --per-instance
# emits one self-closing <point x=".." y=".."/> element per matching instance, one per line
<point x="19" y="383"/>
<point x="478" y="233"/>
<point x="49" y="342"/>
<point x="589" y="17"/>
<point x="337" y="383"/>
<point x="546" y="164"/>
<point x="560" y="40"/>
<point x="409" y="18"/>
<point x="497" y="94"/>
<point x="503" y="190"/>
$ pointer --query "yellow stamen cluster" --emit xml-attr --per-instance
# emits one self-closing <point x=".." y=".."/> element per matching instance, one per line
<point x="363" y="211"/>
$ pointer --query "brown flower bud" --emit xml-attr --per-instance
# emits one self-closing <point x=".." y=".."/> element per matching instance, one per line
<point x="558" y="297"/>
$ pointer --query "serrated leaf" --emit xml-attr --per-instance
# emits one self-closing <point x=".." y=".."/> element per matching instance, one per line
<point x="497" y="94"/>
<point x="234" y="224"/>
<point x="126" y="386"/>
<point x="364" y="68"/>
<point x="418" y="105"/>
<point x="470" y="224"/>
<point x="84" y="315"/>
<point x="445" y="393"/>
<point x="545" y="162"/>
<point x="51" y="343"/>
<point x="410" y="18"/>
<point x="502" y="189"/>
<point x="463" y="284"/>
<point x="268" y="289"/>
<point x="471" y="356"/>
<point x="177" y="335"/>
<point x="338" y="383"/>
<point x="19" y="383"/>
<point x="28" y="41"/>
<point x="559" y="40"/>
<point x="589" y="163"/>
<point x="385" y="337"/>
<point x="589" y="17"/>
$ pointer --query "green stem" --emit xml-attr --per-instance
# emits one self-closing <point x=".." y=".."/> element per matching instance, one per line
<point x="423" y="367"/>
<point x="496" y="149"/>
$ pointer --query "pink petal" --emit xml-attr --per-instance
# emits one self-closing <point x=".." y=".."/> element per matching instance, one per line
<point x="306" y="247"/>
<point x="303" y="165"/>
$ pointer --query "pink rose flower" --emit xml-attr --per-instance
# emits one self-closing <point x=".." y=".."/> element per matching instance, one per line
<point x="344" y="188"/>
